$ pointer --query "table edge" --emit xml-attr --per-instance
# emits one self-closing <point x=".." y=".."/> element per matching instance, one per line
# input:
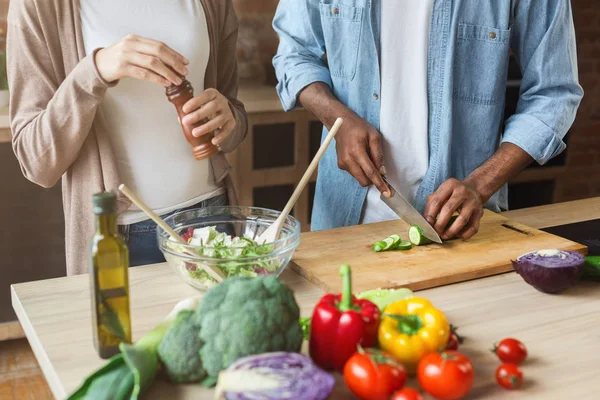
<point x="57" y="388"/>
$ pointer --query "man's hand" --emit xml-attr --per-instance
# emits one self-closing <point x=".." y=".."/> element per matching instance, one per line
<point x="452" y="196"/>
<point x="358" y="144"/>
<point x="468" y="196"/>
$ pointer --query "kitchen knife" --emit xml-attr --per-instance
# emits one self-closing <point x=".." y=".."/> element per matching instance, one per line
<point x="407" y="212"/>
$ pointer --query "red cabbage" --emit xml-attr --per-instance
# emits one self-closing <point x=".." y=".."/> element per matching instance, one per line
<point x="274" y="376"/>
<point x="550" y="271"/>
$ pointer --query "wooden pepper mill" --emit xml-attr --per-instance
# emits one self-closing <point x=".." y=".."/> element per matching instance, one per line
<point x="202" y="146"/>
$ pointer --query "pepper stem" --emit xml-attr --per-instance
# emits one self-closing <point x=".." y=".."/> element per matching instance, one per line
<point x="346" y="303"/>
<point x="408" y="324"/>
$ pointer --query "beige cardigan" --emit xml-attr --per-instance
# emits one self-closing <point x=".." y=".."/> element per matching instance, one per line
<point x="57" y="125"/>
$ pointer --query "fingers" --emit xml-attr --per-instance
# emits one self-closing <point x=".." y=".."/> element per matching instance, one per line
<point x="435" y="202"/>
<point x="166" y="54"/>
<point x="155" y="65"/>
<point x="201" y="100"/>
<point x="372" y="173"/>
<point x="473" y="226"/>
<point x="225" y="131"/>
<point x="459" y="223"/>
<point x="376" y="152"/>
<point x="348" y="164"/>
<point x="210" y="126"/>
<point x="450" y="207"/>
<point x="199" y="115"/>
<point x="146" y="75"/>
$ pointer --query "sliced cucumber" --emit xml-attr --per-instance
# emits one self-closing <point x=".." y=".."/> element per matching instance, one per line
<point x="378" y="247"/>
<point x="389" y="243"/>
<point x="415" y="234"/>
<point x="403" y="245"/>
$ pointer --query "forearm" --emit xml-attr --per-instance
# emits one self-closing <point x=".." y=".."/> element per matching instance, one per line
<point x="504" y="165"/>
<point x="318" y="99"/>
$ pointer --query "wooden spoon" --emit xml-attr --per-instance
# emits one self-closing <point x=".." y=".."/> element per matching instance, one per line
<point x="272" y="233"/>
<point x="214" y="272"/>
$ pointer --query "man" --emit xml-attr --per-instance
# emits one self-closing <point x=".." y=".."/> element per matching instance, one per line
<point x="421" y="87"/>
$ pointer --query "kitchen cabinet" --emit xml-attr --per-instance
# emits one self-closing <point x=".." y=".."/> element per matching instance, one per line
<point x="32" y="242"/>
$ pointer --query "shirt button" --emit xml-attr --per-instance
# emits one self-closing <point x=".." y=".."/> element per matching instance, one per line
<point x="336" y="11"/>
<point x="492" y="35"/>
<point x="375" y="96"/>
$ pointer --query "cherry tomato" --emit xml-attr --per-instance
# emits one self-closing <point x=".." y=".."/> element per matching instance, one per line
<point x="373" y="375"/>
<point x="509" y="376"/>
<point x="452" y="342"/>
<point x="454" y="339"/>
<point x="510" y="351"/>
<point x="407" y="393"/>
<point x="446" y="376"/>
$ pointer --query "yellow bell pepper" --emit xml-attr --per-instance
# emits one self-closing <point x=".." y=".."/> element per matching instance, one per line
<point x="411" y="328"/>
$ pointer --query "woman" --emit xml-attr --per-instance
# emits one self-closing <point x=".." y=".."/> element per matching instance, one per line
<point x="88" y="104"/>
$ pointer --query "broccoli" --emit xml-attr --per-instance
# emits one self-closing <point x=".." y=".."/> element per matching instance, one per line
<point x="179" y="350"/>
<point x="242" y="317"/>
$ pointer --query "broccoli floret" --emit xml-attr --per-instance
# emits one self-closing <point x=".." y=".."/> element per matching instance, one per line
<point x="179" y="349"/>
<point x="242" y="317"/>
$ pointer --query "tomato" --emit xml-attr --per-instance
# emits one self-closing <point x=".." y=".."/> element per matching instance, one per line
<point x="509" y="376"/>
<point x="452" y="342"/>
<point x="454" y="339"/>
<point x="373" y="375"/>
<point x="407" y="393"/>
<point x="510" y="351"/>
<point x="446" y="376"/>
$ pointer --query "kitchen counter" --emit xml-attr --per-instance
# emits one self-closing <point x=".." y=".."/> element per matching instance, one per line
<point x="561" y="331"/>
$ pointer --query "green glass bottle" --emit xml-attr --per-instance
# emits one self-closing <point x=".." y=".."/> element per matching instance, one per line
<point x="109" y="279"/>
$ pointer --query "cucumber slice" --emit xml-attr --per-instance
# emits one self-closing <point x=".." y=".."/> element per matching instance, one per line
<point x="389" y="243"/>
<point x="378" y="247"/>
<point x="415" y="234"/>
<point x="403" y="245"/>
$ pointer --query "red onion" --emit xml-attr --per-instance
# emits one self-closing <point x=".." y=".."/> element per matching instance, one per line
<point x="550" y="271"/>
<point x="274" y="376"/>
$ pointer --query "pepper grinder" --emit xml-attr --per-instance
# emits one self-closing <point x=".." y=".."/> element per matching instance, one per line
<point x="202" y="146"/>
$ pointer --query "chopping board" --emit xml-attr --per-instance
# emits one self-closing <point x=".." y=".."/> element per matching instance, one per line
<point x="320" y="255"/>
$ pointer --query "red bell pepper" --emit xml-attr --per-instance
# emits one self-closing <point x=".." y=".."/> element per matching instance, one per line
<point x="339" y="324"/>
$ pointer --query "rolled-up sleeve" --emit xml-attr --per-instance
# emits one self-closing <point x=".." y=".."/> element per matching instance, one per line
<point x="300" y="57"/>
<point x="543" y="40"/>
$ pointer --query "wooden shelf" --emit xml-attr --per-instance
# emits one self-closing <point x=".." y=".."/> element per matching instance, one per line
<point x="539" y="175"/>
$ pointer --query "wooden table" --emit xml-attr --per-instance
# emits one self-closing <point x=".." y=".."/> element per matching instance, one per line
<point x="562" y="332"/>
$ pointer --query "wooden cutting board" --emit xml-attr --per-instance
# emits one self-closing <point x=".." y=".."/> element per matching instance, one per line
<point x="499" y="240"/>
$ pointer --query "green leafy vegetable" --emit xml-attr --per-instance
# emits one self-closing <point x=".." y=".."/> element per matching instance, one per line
<point x="241" y="256"/>
<point x="179" y="350"/>
<point x="384" y="297"/>
<point x="242" y="317"/>
<point x="127" y="374"/>
<point x="591" y="269"/>
<point x="305" y="324"/>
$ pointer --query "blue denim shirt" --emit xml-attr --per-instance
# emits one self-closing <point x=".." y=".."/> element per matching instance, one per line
<point x="337" y="42"/>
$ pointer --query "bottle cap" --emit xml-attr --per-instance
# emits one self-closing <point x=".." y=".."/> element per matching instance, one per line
<point x="105" y="203"/>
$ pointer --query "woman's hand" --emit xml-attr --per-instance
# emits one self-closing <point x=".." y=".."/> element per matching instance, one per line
<point x="141" y="58"/>
<point x="214" y="107"/>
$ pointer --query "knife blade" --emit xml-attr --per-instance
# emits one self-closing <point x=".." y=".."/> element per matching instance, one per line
<point x="408" y="213"/>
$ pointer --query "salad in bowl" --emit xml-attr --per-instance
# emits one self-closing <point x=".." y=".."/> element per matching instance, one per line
<point x="224" y="238"/>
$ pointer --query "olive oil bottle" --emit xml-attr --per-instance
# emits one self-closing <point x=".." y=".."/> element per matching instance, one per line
<point x="109" y="279"/>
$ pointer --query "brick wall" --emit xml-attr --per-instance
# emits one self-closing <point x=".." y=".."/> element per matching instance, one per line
<point x="582" y="178"/>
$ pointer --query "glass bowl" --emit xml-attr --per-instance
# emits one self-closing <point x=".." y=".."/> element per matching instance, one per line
<point x="188" y="260"/>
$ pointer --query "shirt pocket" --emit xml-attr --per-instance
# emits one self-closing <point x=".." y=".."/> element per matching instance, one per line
<point x="481" y="64"/>
<point x="342" y="25"/>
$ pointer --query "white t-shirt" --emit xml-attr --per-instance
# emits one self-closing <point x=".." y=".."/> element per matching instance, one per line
<point x="153" y="158"/>
<point x="405" y="28"/>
